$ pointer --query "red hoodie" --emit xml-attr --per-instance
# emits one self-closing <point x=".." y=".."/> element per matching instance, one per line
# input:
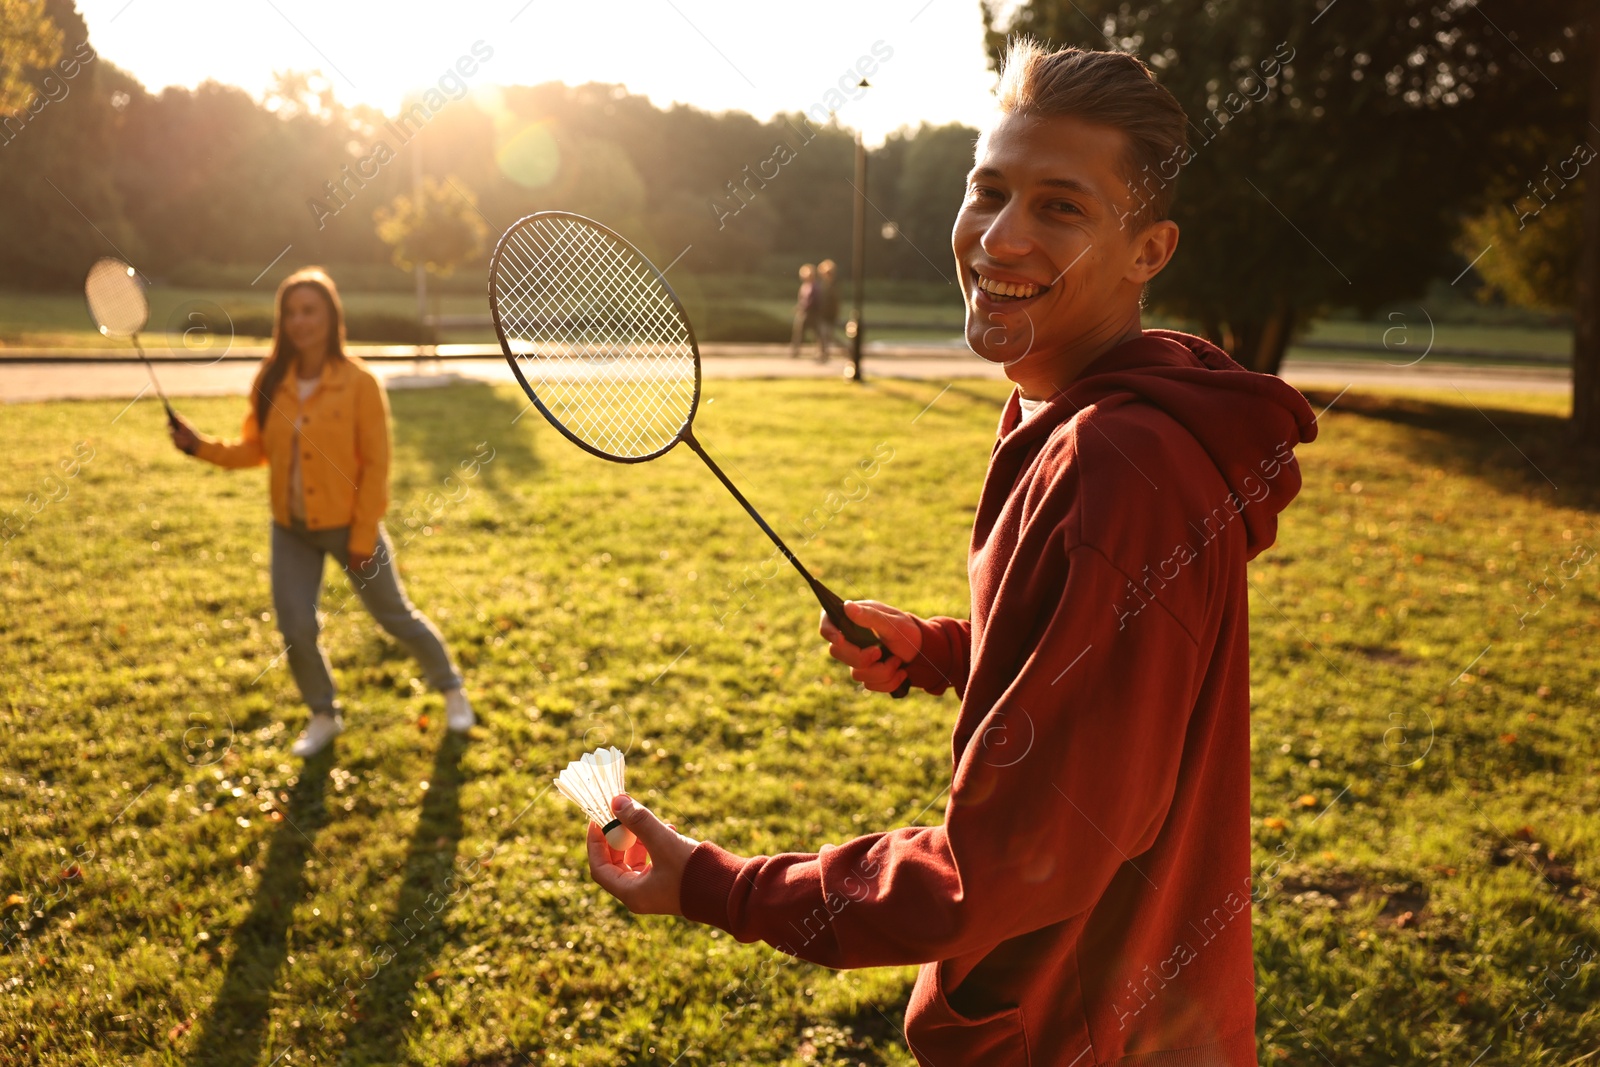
<point x="1087" y="900"/>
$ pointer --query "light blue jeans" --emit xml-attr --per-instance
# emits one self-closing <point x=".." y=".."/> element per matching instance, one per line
<point x="297" y="561"/>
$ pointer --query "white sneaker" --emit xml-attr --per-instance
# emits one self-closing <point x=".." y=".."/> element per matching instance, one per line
<point x="319" y="732"/>
<point x="457" y="711"/>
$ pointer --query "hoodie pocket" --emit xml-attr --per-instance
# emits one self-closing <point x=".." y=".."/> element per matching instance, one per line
<point x="938" y="1034"/>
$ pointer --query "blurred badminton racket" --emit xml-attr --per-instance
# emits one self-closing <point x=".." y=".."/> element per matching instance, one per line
<point x="118" y="307"/>
<point x="602" y="346"/>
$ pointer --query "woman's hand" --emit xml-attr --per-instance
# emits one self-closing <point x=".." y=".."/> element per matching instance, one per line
<point x="649" y="876"/>
<point x="899" y="632"/>
<point x="184" y="437"/>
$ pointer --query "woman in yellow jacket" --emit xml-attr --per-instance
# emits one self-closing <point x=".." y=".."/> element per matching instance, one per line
<point x="319" y="420"/>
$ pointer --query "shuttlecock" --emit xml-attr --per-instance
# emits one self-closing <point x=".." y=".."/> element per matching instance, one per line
<point x="591" y="783"/>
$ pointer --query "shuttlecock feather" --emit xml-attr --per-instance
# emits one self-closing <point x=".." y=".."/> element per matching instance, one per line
<point x="591" y="783"/>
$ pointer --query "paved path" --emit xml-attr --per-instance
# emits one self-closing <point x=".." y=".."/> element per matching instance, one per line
<point x="90" y="375"/>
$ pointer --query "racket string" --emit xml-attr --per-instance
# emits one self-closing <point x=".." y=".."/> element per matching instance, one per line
<point x="610" y="434"/>
<point x="571" y="294"/>
<point x="116" y="298"/>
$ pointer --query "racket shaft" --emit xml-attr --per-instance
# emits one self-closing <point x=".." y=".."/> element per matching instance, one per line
<point x="856" y="634"/>
<point x="172" y="416"/>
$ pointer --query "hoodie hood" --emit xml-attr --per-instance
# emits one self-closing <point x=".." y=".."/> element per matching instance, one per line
<point x="1246" y="422"/>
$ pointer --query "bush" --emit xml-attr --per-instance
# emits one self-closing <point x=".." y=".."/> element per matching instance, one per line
<point x="385" y="328"/>
<point x="367" y="327"/>
<point x="740" y="322"/>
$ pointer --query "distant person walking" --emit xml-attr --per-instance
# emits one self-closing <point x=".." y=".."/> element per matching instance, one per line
<point x="827" y="306"/>
<point x="805" y="308"/>
<point x="319" y="420"/>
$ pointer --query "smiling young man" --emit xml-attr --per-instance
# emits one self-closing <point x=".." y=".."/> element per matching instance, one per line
<point x="1087" y="898"/>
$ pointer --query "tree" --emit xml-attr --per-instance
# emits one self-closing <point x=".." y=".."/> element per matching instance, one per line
<point x="1337" y="147"/>
<point x="1535" y="264"/>
<point x="1586" y="288"/>
<point x="918" y="178"/>
<point x="59" y="208"/>
<point x="29" y="42"/>
<point x="437" y="227"/>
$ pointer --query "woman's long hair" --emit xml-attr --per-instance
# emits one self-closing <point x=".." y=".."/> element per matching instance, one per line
<point x="283" y="353"/>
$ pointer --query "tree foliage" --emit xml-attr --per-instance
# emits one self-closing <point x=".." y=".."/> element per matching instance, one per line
<point x="436" y="226"/>
<point x="29" y="42"/>
<point x="1533" y="264"/>
<point x="186" y="180"/>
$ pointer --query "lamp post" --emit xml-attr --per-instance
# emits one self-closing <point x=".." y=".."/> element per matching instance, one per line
<point x="858" y="255"/>
<point x="419" y="272"/>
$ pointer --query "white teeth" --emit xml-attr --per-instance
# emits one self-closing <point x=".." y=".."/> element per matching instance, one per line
<point x="1019" y="290"/>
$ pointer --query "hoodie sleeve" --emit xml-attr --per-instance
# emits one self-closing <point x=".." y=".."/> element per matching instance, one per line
<point x="946" y="655"/>
<point x="1059" y="789"/>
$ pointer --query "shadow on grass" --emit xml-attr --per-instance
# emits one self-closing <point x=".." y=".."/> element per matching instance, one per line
<point x="1514" y="451"/>
<point x="419" y="927"/>
<point x="445" y="427"/>
<point x="235" y="1027"/>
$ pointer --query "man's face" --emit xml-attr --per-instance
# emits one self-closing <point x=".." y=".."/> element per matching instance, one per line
<point x="1051" y="260"/>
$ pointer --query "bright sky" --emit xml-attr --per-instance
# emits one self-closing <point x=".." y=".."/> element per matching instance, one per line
<point x="758" y="57"/>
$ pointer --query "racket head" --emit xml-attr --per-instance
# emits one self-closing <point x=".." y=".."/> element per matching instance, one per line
<point x="595" y="336"/>
<point x="115" y="294"/>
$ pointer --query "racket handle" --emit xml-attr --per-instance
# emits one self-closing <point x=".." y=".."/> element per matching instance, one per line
<point x="854" y="632"/>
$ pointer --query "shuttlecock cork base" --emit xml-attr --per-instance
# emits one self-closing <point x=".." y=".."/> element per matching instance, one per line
<point x="592" y="783"/>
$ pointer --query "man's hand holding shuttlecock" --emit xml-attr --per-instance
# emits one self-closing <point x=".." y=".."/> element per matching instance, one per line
<point x="648" y="875"/>
<point x="632" y="855"/>
<point x="895" y="628"/>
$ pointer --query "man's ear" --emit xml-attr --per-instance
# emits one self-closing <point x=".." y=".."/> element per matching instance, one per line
<point x="1153" y="249"/>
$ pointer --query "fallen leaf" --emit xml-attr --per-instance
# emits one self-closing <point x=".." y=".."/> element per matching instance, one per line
<point x="1508" y="739"/>
<point x="15" y="899"/>
<point x="1307" y="801"/>
<point x="422" y="722"/>
<point x="1274" y="823"/>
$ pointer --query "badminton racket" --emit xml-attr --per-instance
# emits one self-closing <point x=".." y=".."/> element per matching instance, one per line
<point x="118" y="307"/>
<point x="602" y="346"/>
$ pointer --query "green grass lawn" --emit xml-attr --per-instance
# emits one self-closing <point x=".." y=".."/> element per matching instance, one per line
<point x="1406" y="336"/>
<point x="179" y="889"/>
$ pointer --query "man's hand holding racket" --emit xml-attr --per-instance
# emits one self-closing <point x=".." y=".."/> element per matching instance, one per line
<point x="899" y="632"/>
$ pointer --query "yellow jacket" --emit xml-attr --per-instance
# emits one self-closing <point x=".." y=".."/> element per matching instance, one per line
<point x="344" y="452"/>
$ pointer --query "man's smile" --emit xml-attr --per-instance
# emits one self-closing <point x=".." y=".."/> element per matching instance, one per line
<point x="1005" y="290"/>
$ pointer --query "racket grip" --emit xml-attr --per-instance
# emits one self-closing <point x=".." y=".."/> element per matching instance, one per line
<point x="854" y="632"/>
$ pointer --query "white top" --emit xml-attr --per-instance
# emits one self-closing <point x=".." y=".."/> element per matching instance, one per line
<point x="1028" y="407"/>
<point x="297" y="496"/>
